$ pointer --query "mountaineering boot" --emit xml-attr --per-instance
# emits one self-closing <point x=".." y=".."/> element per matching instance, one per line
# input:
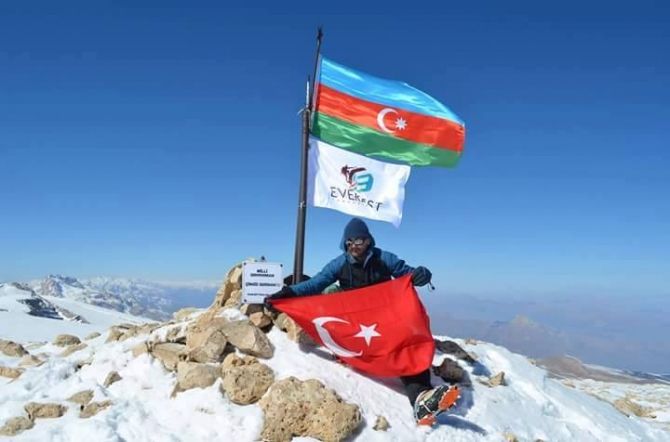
<point x="432" y="402"/>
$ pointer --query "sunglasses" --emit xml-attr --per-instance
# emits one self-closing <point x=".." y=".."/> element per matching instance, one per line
<point x="355" y="242"/>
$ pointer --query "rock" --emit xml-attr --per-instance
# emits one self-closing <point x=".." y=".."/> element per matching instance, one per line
<point x="471" y="341"/>
<point x="306" y="408"/>
<point x="235" y="299"/>
<point x="231" y="283"/>
<point x="256" y="314"/>
<point x="114" y="334"/>
<point x="182" y="314"/>
<point x="495" y="381"/>
<point x="177" y="334"/>
<point x="294" y="332"/>
<point x="233" y="360"/>
<point x="281" y="321"/>
<point x="169" y="354"/>
<point x="30" y="361"/>
<point x="140" y="349"/>
<point x="630" y="408"/>
<point x="452" y="348"/>
<point x="94" y="408"/>
<point x="510" y="437"/>
<point x="260" y="319"/>
<point x="80" y="364"/>
<point x="112" y="377"/>
<point x="92" y="336"/>
<point x="73" y="348"/>
<point x="12" y="349"/>
<point x="207" y="342"/>
<point x="37" y="410"/>
<point x="381" y="424"/>
<point x="81" y="398"/>
<point x="10" y="372"/>
<point x="248" y="338"/>
<point x="65" y="340"/>
<point x="16" y="425"/>
<point x="450" y="371"/>
<point x="244" y="381"/>
<point x="194" y="375"/>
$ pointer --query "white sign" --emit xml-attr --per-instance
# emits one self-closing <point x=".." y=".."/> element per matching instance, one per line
<point x="260" y="279"/>
<point x="355" y="184"/>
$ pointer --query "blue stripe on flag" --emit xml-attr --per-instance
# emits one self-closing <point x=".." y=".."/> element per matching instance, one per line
<point x="387" y="92"/>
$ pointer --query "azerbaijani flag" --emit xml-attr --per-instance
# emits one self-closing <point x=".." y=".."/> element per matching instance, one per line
<point x="384" y="118"/>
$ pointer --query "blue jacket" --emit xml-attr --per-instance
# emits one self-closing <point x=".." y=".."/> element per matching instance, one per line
<point x="331" y="272"/>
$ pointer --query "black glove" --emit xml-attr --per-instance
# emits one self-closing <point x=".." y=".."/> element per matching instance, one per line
<point x="285" y="292"/>
<point x="421" y="276"/>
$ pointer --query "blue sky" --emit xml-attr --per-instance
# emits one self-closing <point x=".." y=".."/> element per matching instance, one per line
<point x="161" y="140"/>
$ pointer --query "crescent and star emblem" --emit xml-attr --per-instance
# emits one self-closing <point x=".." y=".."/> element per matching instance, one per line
<point x="400" y="122"/>
<point x="367" y="332"/>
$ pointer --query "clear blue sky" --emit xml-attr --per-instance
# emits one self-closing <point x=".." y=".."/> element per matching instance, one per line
<point x="160" y="140"/>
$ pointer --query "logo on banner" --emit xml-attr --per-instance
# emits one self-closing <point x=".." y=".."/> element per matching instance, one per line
<point x="361" y="182"/>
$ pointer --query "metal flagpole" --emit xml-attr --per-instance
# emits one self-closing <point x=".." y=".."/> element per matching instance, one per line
<point x="299" y="255"/>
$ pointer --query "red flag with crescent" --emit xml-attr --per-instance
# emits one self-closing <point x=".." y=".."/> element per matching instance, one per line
<point x="382" y="329"/>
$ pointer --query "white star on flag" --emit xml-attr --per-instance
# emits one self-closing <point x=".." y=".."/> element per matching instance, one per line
<point x="401" y="123"/>
<point x="367" y="333"/>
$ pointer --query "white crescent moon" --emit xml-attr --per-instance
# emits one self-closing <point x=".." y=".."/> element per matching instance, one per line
<point x="328" y="340"/>
<point x="380" y="118"/>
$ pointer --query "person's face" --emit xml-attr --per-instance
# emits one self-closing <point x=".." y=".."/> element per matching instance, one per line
<point x="357" y="247"/>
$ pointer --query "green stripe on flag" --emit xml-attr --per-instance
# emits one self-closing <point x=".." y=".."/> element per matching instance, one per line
<point x="369" y="142"/>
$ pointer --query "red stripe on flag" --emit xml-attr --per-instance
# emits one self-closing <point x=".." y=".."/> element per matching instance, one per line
<point x="400" y="123"/>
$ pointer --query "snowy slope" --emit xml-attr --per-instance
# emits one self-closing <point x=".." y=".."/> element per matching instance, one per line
<point x="533" y="406"/>
<point x="17" y="324"/>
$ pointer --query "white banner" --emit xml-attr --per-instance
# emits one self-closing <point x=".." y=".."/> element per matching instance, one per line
<point x="355" y="184"/>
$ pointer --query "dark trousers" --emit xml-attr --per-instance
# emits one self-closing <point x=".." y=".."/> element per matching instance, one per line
<point x="416" y="384"/>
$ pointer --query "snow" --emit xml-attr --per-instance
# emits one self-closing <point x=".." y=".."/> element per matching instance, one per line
<point x="17" y="324"/>
<point x="532" y="406"/>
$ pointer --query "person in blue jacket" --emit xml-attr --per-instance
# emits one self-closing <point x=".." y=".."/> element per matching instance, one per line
<point x="362" y="264"/>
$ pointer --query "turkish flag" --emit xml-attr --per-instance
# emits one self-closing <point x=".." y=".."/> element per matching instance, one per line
<point x="381" y="329"/>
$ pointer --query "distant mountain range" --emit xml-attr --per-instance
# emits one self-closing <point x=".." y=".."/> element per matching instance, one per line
<point x="155" y="300"/>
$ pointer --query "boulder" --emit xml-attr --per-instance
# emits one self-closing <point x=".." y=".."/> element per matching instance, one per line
<point x="37" y="410"/>
<point x="245" y="381"/>
<point x="66" y="340"/>
<point x="235" y="299"/>
<point x="449" y="371"/>
<point x="94" y="408"/>
<point x="206" y="342"/>
<point x="112" y="377"/>
<point x="381" y="424"/>
<point x="92" y="336"/>
<point x="16" y="425"/>
<point x="169" y="354"/>
<point x="306" y="408"/>
<point x="82" y="398"/>
<point x="452" y="348"/>
<point x="12" y="349"/>
<point x="73" y="348"/>
<point x="10" y="372"/>
<point x="510" y="437"/>
<point x="30" y="361"/>
<point x="248" y="338"/>
<point x="194" y="375"/>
